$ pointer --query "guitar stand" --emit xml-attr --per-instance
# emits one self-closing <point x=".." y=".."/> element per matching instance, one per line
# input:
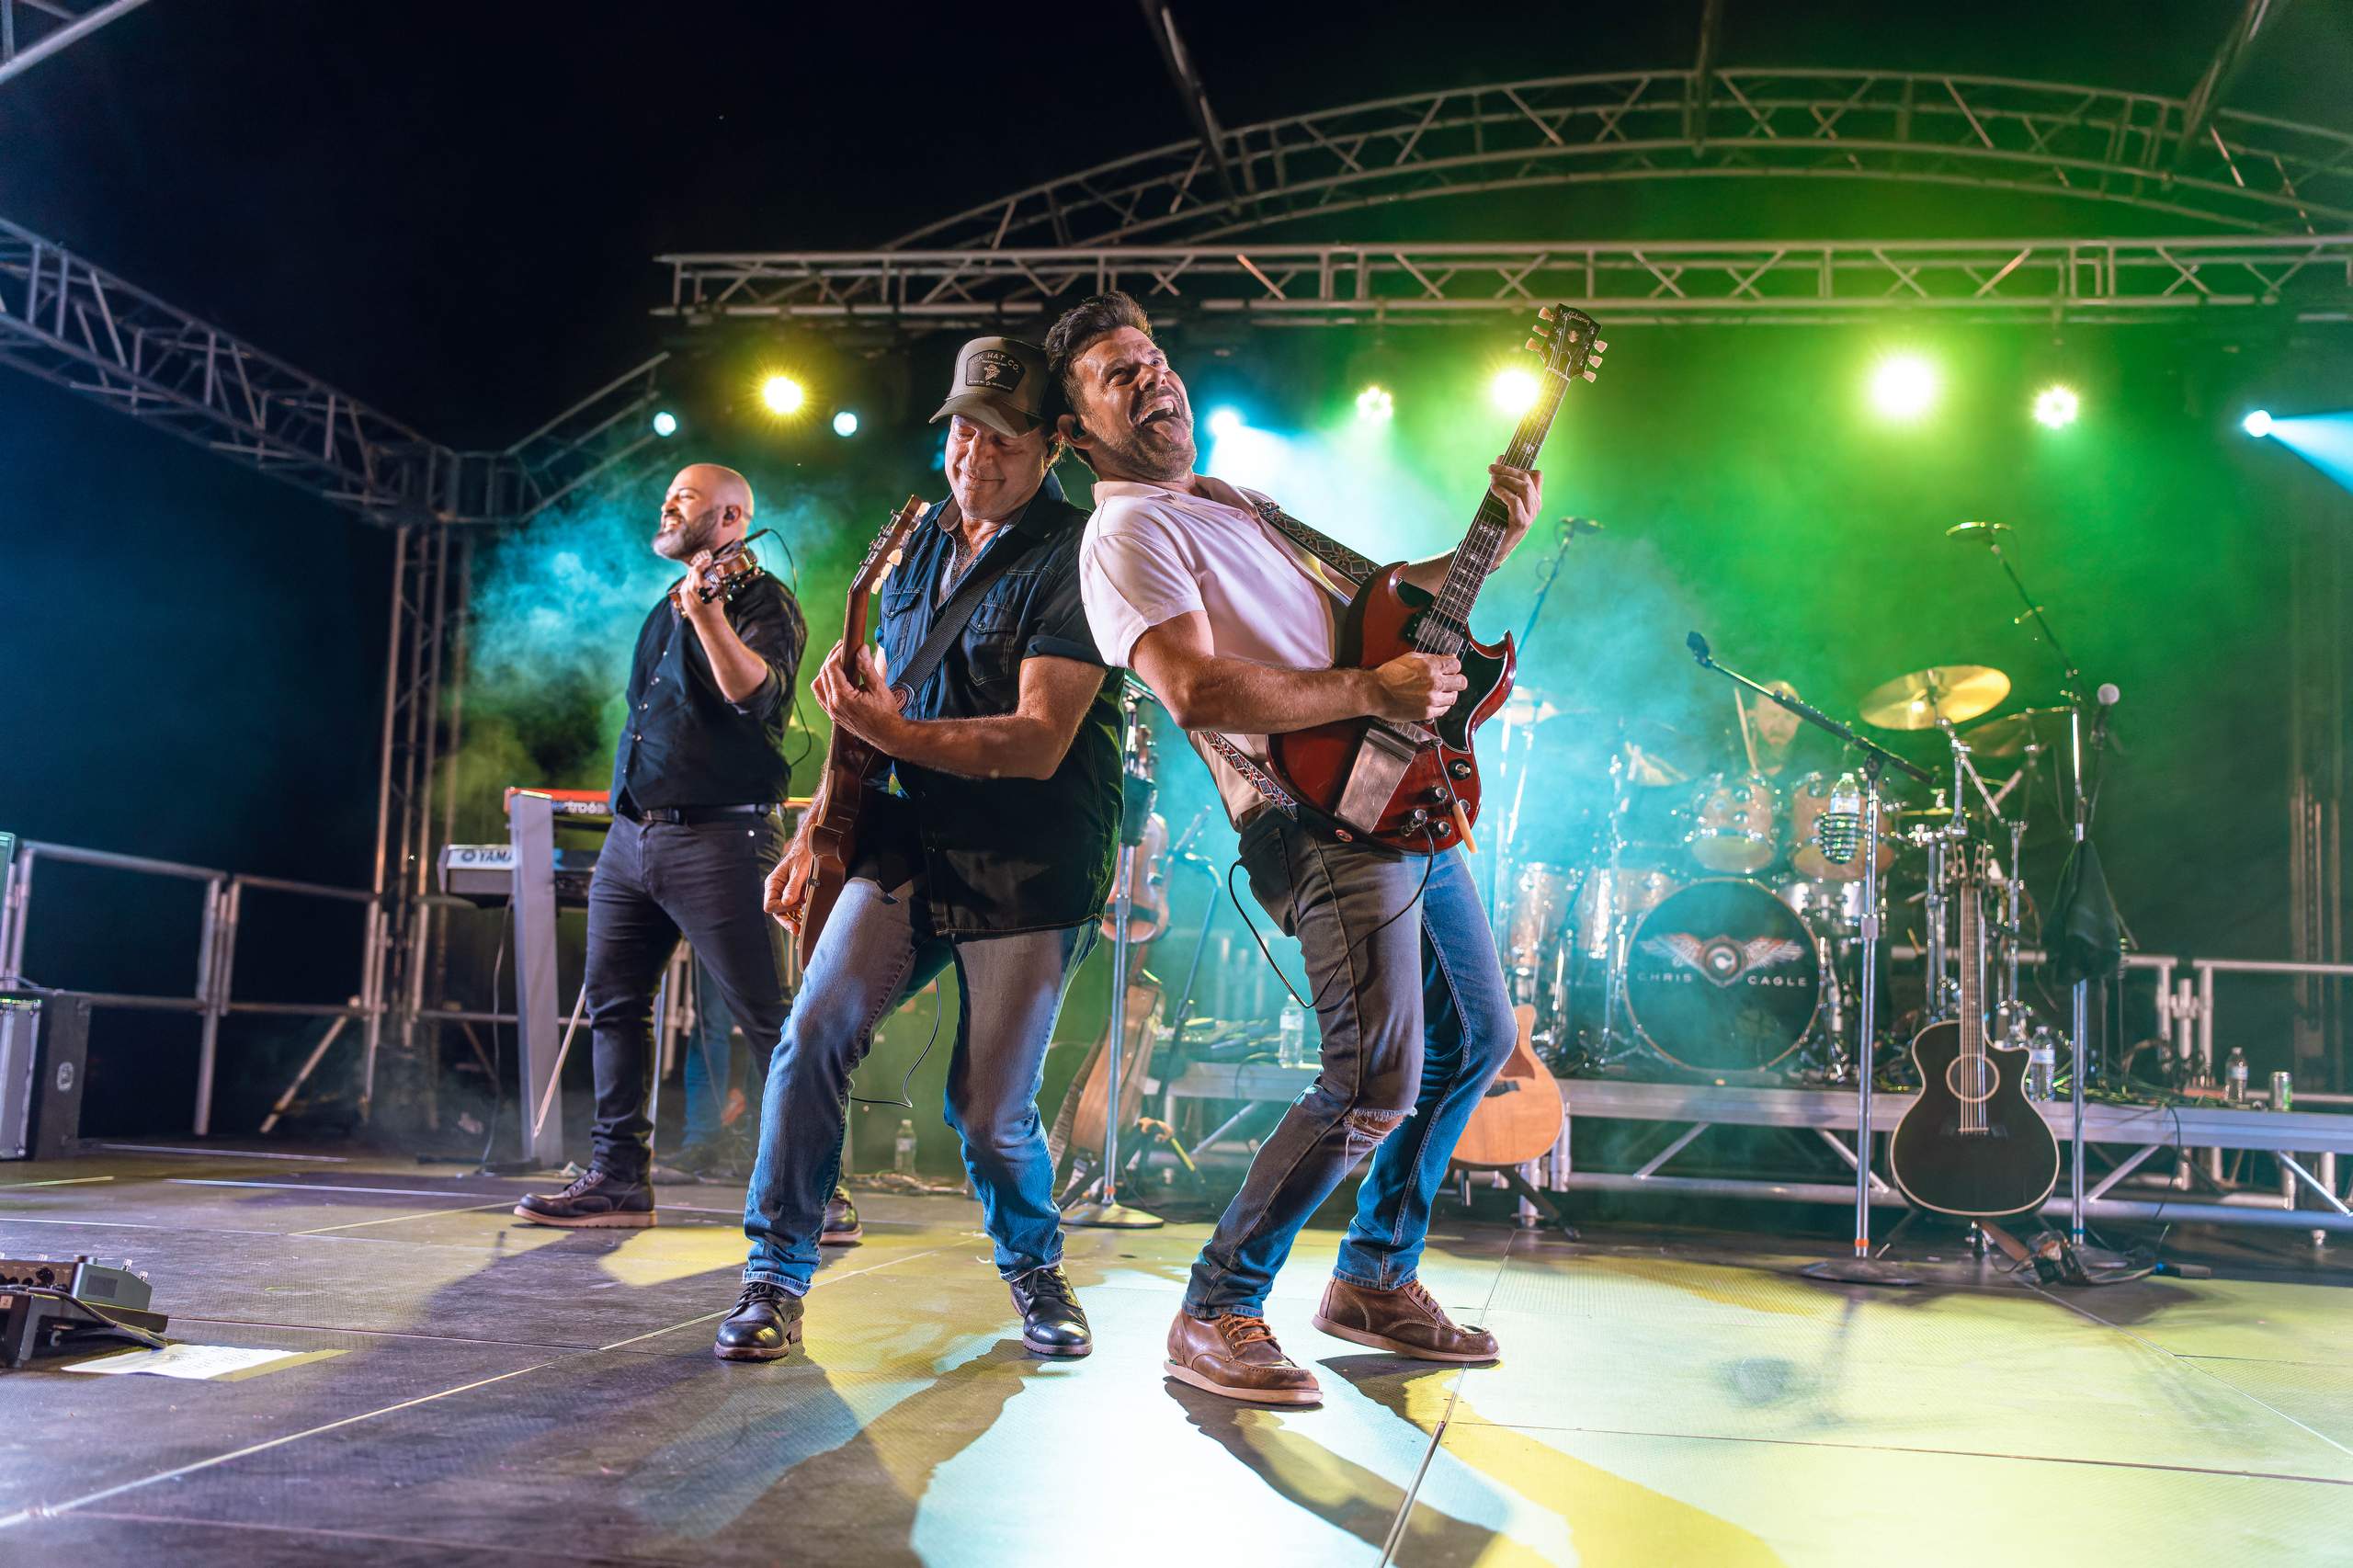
<point x="1538" y="1200"/>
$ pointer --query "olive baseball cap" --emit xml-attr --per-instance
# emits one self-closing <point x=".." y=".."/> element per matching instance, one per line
<point x="1000" y="383"/>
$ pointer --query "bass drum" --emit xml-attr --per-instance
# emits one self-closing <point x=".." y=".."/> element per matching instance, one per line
<point x="1724" y="977"/>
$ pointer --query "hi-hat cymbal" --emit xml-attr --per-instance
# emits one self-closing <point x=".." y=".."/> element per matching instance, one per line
<point x="1953" y="692"/>
<point x="2009" y="734"/>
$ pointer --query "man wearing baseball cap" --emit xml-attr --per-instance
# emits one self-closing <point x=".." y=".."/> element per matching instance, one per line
<point x="994" y="856"/>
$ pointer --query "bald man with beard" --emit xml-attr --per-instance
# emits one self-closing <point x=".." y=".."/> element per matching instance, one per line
<point x="697" y="777"/>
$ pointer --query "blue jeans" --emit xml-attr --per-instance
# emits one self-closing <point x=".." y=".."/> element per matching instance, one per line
<point x="1416" y="1023"/>
<point x="877" y="950"/>
<point x="712" y="1061"/>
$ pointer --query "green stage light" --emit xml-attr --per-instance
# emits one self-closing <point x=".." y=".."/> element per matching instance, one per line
<point x="1375" y="403"/>
<point x="1224" y="421"/>
<point x="782" y="394"/>
<point x="1903" y="386"/>
<point x="1514" y="391"/>
<point x="846" y="422"/>
<point x="666" y="423"/>
<point x="2055" y="406"/>
<point x="2257" y="425"/>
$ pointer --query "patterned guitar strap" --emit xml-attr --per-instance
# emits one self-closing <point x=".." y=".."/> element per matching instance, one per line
<point x="1343" y="564"/>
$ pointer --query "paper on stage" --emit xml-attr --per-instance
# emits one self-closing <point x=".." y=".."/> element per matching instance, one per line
<point x="199" y="1362"/>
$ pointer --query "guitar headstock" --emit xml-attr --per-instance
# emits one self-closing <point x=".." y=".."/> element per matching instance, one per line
<point x="1570" y="342"/>
<point x="885" y="548"/>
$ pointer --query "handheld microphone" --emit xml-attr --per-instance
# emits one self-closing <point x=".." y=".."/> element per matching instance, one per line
<point x="2108" y="698"/>
<point x="1838" y="831"/>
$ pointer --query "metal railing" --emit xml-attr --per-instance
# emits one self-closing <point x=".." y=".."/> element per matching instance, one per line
<point x="213" y="997"/>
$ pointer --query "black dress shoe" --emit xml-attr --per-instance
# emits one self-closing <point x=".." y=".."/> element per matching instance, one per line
<point x="597" y="1199"/>
<point x="841" y="1228"/>
<point x="765" y="1325"/>
<point x="1053" y="1322"/>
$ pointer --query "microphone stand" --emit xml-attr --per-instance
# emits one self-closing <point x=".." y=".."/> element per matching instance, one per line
<point x="1106" y="1211"/>
<point x="1860" y="1267"/>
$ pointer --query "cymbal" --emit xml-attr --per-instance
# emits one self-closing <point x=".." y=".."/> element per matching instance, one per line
<point x="2009" y="734"/>
<point x="1649" y="769"/>
<point x="1918" y="700"/>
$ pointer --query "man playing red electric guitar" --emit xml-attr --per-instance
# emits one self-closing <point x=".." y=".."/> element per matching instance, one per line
<point x="1232" y="626"/>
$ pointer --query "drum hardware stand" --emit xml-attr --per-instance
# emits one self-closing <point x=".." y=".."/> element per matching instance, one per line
<point x="1104" y="1210"/>
<point x="1861" y="1267"/>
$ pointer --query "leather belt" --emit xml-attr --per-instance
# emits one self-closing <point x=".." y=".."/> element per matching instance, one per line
<point x="692" y="816"/>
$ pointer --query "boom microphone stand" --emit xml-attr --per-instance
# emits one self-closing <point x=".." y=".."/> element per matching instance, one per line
<point x="1106" y="1211"/>
<point x="1860" y="1268"/>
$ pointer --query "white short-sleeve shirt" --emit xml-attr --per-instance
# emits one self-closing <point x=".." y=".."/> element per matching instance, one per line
<point x="1151" y="554"/>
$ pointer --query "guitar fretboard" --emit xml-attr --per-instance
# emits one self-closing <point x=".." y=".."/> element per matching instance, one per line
<point x="1445" y="627"/>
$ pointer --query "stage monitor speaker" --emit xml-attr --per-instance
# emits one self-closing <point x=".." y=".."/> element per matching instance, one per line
<point x="44" y="1050"/>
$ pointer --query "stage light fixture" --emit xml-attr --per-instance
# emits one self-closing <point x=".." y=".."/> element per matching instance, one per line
<point x="2055" y="406"/>
<point x="782" y="394"/>
<point x="1375" y="403"/>
<point x="2257" y="425"/>
<point x="1903" y="386"/>
<point x="846" y="422"/>
<point x="1514" y="391"/>
<point x="666" y="423"/>
<point x="1224" y="421"/>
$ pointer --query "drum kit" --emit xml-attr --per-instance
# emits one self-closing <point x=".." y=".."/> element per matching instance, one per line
<point x="1704" y="918"/>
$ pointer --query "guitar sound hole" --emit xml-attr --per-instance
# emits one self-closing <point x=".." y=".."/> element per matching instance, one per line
<point x="1971" y="1079"/>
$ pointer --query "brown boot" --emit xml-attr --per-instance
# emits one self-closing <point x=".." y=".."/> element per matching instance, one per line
<point x="1404" y="1322"/>
<point x="1236" y="1357"/>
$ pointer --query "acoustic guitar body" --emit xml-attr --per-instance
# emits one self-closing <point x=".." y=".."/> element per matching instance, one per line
<point x="1522" y="1117"/>
<point x="1316" y="764"/>
<point x="2000" y="1159"/>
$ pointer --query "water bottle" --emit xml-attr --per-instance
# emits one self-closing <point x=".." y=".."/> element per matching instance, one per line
<point x="2234" y="1077"/>
<point x="902" y="1150"/>
<point x="2041" y="1065"/>
<point x="1290" y="1048"/>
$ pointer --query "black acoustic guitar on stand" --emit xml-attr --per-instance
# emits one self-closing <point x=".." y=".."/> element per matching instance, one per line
<point x="1973" y="1145"/>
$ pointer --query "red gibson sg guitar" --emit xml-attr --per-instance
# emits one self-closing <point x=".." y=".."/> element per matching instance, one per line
<point x="1416" y="786"/>
<point x="849" y="762"/>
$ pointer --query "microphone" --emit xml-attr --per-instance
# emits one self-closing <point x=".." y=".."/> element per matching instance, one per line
<point x="1571" y="526"/>
<point x="1973" y="532"/>
<point x="1699" y="646"/>
<point x="2108" y="698"/>
<point x="1838" y="831"/>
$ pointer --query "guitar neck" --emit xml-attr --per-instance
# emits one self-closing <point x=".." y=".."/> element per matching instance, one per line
<point x="1446" y="626"/>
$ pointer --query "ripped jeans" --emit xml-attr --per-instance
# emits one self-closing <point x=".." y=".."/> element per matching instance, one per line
<point x="1416" y="1023"/>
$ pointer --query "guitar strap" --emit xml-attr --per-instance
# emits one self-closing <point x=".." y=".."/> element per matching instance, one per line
<point x="1343" y="564"/>
<point x="957" y="613"/>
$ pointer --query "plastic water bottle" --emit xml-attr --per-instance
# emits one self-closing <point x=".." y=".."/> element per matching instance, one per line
<point x="902" y="1150"/>
<point x="2041" y="1065"/>
<point x="1290" y="1041"/>
<point x="2234" y="1077"/>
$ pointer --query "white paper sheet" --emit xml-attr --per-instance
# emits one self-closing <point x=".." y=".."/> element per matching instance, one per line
<point x="198" y="1361"/>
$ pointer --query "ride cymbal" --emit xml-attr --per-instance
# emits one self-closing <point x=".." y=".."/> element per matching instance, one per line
<point x="1943" y="692"/>
<point x="2009" y="734"/>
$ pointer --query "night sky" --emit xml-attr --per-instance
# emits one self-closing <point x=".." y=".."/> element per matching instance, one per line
<point x="452" y="215"/>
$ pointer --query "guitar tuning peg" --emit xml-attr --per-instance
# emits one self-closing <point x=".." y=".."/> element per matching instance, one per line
<point x="1590" y="376"/>
<point x="1534" y="346"/>
<point x="1600" y="347"/>
<point x="1544" y="314"/>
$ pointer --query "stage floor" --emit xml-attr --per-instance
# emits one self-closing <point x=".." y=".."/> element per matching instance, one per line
<point x="502" y="1392"/>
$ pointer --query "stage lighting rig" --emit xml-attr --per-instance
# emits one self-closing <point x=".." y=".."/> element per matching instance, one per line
<point x="846" y="422"/>
<point x="1224" y="421"/>
<point x="2257" y="425"/>
<point x="780" y="394"/>
<point x="1375" y="403"/>
<point x="2056" y="406"/>
<point x="666" y="423"/>
<point x="1904" y="387"/>
<point x="1514" y="391"/>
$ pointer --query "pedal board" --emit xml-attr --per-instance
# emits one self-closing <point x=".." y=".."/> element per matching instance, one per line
<point x="45" y="1302"/>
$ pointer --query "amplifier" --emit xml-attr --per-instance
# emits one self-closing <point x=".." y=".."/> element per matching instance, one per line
<point x="44" y="1050"/>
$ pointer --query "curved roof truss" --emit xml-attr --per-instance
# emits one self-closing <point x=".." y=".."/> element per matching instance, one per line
<point x="2243" y="172"/>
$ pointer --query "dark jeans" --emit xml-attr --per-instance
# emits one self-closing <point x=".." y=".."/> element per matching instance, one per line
<point x="717" y="1060"/>
<point x="1415" y="1022"/>
<point x="654" y="882"/>
<point x="876" y="951"/>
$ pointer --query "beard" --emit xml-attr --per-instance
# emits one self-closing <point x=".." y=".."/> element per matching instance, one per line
<point x="1162" y="452"/>
<point x="689" y="539"/>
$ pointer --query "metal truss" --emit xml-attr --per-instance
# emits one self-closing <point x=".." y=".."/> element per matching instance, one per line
<point x="32" y="30"/>
<point x="83" y="328"/>
<point x="2238" y="171"/>
<point x="1745" y="281"/>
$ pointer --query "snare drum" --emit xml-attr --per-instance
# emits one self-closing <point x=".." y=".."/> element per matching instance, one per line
<point x="1735" y="822"/>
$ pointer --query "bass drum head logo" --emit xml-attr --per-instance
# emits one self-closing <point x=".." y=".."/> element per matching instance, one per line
<point x="994" y="368"/>
<point x="1722" y="976"/>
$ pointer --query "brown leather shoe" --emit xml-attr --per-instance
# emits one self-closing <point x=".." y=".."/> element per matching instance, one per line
<point x="1236" y="1357"/>
<point x="1404" y="1322"/>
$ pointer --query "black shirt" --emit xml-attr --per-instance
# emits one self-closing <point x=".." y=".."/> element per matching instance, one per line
<point x="682" y="743"/>
<point x="1001" y="856"/>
